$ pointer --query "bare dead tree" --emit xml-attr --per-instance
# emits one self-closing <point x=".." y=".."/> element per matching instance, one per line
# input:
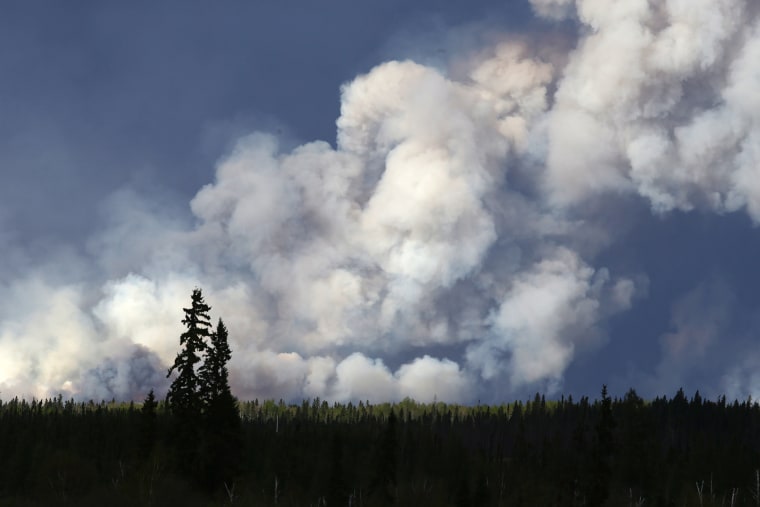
<point x="230" y="492"/>
<point x="635" y="503"/>
<point x="700" y="490"/>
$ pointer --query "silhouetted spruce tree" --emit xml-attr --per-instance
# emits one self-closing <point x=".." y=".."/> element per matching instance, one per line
<point x="222" y="437"/>
<point x="601" y="454"/>
<point x="384" y="480"/>
<point x="184" y="396"/>
<point x="213" y="374"/>
<point x="147" y="433"/>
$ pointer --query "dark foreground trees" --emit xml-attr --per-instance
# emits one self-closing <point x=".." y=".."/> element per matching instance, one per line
<point x="658" y="453"/>
<point x="221" y="446"/>
<point x="205" y="416"/>
<point x="184" y="396"/>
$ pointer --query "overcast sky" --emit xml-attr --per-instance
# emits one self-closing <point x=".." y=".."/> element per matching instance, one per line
<point x="454" y="200"/>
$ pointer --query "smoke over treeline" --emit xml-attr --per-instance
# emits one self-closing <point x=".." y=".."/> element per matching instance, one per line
<point x="445" y="247"/>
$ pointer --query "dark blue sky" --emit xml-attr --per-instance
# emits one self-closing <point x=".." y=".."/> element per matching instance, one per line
<point x="114" y="116"/>
<point x="98" y="95"/>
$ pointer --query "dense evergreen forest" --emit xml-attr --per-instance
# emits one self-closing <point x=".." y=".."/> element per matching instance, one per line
<point x="606" y="452"/>
<point x="201" y="447"/>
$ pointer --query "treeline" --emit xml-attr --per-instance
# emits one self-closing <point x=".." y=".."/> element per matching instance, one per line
<point x="618" y="452"/>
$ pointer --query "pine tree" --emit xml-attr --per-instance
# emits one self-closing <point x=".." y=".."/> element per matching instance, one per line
<point x="184" y="393"/>
<point x="601" y="454"/>
<point x="213" y="374"/>
<point x="148" y="416"/>
<point x="222" y="434"/>
<point x="184" y="396"/>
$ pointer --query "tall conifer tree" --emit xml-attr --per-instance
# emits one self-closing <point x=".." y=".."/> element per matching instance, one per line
<point x="222" y="434"/>
<point x="184" y="396"/>
<point x="213" y="374"/>
<point x="184" y="393"/>
<point x="147" y="428"/>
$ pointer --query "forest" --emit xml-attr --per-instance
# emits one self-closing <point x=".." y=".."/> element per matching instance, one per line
<point x="202" y="447"/>
<point x="624" y="451"/>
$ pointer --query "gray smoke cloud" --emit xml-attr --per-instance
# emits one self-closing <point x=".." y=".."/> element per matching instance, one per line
<point x="660" y="99"/>
<point x="711" y="344"/>
<point x="445" y="247"/>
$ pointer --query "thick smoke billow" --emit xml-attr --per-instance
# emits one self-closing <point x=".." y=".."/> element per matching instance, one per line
<point x="443" y="248"/>
<point x="549" y="311"/>
<point x="660" y="99"/>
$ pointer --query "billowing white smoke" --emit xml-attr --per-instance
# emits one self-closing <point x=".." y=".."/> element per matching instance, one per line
<point x="659" y="98"/>
<point x="441" y="249"/>
<point x="548" y="312"/>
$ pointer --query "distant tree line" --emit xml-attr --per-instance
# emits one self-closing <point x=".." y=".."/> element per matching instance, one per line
<point x="200" y="447"/>
<point x="621" y="451"/>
